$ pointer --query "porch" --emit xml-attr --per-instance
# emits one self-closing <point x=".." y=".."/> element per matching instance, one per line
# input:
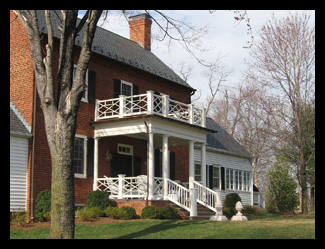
<point x="162" y="123"/>
<point x="135" y="188"/>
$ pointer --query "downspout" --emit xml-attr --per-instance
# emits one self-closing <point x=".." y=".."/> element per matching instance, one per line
<point x="33" y="156"/>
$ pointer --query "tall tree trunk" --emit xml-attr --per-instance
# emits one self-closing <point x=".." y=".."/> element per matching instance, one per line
<point x="62" y="191"/>
<point x="312" y="199"/>
<point x="304" y="188"/>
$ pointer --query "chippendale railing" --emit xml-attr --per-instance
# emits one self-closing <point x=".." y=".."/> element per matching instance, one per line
<point x="122" y="187"/>
<point x="149" y="103"/>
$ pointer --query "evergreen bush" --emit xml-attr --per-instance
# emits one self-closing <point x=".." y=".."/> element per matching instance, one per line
<point x="229" y="209"/>
<point x="150" y="212"/>
<point x="168" y="213"/>
<point x="98" y="199"/>
<point x="127" y="213"/>
<point x="43" y="205"/>
<point x="112" y="212"/>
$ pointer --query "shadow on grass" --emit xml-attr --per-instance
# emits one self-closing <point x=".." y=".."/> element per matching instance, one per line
<point x="168" y="224"/>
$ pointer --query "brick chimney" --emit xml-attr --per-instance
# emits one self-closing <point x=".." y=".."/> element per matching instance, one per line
<point x="140" y="30"/>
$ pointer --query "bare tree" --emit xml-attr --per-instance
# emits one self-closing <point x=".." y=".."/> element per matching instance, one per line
<point x="216" y="74"/>
<point x="284" y="60"/>
<point x="60" y="114"/>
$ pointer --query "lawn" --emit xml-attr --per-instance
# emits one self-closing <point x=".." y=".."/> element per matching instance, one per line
<point x="266" y="228"/>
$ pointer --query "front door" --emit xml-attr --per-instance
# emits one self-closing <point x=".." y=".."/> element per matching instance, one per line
<point x="121" y="164"/>
<point x="125" y="164"/>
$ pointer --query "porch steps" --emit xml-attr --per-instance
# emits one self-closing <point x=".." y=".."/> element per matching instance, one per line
<point x="203" y="213"/>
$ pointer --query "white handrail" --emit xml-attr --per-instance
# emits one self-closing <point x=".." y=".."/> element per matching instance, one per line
<point x="206" y="196"/>
<point x="179" y="195"/>
<point x="149" y="103"/>
<point x="136" y="187"/>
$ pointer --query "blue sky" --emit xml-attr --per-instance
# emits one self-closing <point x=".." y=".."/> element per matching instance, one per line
<point x="225" y="35"/>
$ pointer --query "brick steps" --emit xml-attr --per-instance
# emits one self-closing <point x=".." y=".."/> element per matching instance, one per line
<point x="203" y="213"/>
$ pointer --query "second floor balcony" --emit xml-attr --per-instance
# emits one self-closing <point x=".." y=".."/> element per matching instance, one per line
<point x="149" y="104"/>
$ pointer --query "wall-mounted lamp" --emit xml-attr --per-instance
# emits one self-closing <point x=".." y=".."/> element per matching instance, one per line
<point x="108" y="156"/>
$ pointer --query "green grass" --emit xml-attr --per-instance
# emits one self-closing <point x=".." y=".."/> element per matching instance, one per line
<point x="279" y="228"/>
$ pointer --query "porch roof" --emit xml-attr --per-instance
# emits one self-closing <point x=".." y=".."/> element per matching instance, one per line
<point x="134" y="126"/>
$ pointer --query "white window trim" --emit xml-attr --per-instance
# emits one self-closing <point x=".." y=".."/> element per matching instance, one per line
<point x="126" y="83"/>
<point x="83" y="99"/>
<point x="126" y="146"/>
<point x="84" y="175"/>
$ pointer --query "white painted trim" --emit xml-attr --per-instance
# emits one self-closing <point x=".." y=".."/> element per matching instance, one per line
<point x="21" y="117"/>
<point x="126" y="146"/>
<point x="84" y="175"/>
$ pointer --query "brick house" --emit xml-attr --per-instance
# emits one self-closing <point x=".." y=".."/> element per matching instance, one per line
<point x="138" y="135"/>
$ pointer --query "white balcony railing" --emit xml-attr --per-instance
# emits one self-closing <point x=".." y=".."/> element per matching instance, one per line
<point x="149" y="103"/>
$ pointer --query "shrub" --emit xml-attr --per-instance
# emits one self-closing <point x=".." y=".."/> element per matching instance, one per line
<point x="98" y="199"/>
<point x="43" y="205"/>
<point x="168" y="213"/>
<point x="89" y="213"/>
<point x="127" y="213"/>
<point x="281" y="188"/>
<point x="112" y="212"/>
<point x="150" y="212"/>
<point x="47" y="216"/>
<point x="249" y="210"/>
<point x="228" y="212"/>
<point x="229" y="209"/>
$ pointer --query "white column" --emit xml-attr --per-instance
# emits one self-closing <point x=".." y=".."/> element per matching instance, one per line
<point x="203" y="164"/>
<point x="95" y="163"/>
<point x="193" y="197"/>
<point x="151" y="166"/>
<point x="120" y="186"/>
<point x="150" y="105"/>
<point x="165" y="163"/>
<point x="191" y="164"/>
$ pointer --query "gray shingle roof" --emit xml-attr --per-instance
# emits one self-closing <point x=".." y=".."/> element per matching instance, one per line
<point x="118" y="48"/>
<point x="16" y="125"/>
<point x="223" y="141"/>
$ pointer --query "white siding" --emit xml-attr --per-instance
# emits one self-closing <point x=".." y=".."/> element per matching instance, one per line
<point x="18" y="173"/>
<point x="230" y="162"/>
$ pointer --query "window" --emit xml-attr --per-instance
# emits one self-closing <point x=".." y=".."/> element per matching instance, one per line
<point x="126" y="88"/>
<point x="237" y="180"/>
<point x="246" y="186"/>
<point x="85" y="94"/>
<point x="229" y="179"/>
<point x="216" y="178"/>
<point x="125" y="149"/>
<point x="79" y="156"/>
<point x="197" y="172"/>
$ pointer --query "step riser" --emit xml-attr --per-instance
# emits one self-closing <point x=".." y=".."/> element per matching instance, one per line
<point x="203" y="213"/>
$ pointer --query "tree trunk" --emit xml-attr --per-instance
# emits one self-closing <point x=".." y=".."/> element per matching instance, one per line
<point x="303" y="184"/>
<point x="62" y="191"/>
<point x="312" y="199"/>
